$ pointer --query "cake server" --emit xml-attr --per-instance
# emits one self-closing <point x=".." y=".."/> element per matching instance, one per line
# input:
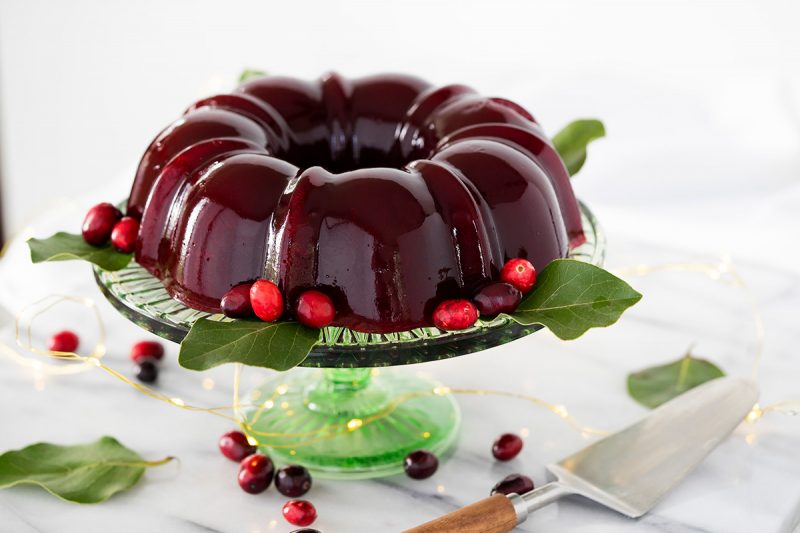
<point x="628" y="471"/>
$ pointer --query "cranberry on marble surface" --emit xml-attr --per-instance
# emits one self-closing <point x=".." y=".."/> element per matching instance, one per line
<point x="299" y="512"/>
<point x="147" y="350"/>
<point x="63" y="341"/>
<point x="506" y="447"/>
<point x="292" y="480"/>
<point x="146" y="371"/>
<point x="513" y="484"/>
<point x="99" y="222"/>
<point x="235" y="446"/>
<point x="420" y="464"/>
<point x="255" y="473"/>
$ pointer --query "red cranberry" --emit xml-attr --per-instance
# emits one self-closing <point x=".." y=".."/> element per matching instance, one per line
<point x="455" y="314"/>
<point x="506" y="447"/>
<point x="299" y="512"/>
<point x="315" y="309"/>
<point x="420" y="464"/>
<point x="235" y="446"/>
<point x="146" y="371"/>
<point x="147" y="350"/>
<point x="236" y="302"/>
<point x="520" y="273"/>
<point x="63" y="341"/>
<point x="124" y="234"/>
<point x="292" y="481"/>
<point x="99" y="222"/>
<point x="513" y="484"/>
<point x="267" y="300"/>
<point x="496" y="298"/>
<point x="255" y="473"/>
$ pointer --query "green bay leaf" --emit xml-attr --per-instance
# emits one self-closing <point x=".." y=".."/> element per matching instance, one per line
<point x="572" y="296"/>
<point x="68" y="247"/>
<point x="249" y="74"/>
<point x="571" y="142"/>
<point x="83" y="473"/>
<point x="653" y="386"/>
<point x="276" y="345"/>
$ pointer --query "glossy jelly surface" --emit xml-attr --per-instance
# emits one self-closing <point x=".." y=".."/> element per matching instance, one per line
<point x="384" y="193"/>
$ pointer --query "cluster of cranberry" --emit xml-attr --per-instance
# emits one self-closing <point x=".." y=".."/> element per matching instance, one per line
<point x="144" y="354"/>
<point x="315" y="309"/>
<point x="256" y="472"/>
<point x="518" y="278"/>
<point x="264" y="299"/>
<point x="422" y="464"/>
<point x="506" y="447"/>
<point x="104" y="222"/>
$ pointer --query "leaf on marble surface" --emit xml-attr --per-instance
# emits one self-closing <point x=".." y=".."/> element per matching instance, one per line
<point x="276" y="345"/>
<point x="250" y="73"/>
<point x="571" y="297"/>
<point x="655" y="385"/>
<point x="83" y="473"/>
<point x="68" y="247"/>
<point x="572" y="140"/>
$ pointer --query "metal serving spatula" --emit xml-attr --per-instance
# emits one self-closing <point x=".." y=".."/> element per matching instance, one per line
<point x="627" y="471"/>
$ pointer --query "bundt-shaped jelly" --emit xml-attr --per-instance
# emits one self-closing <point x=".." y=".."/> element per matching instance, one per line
<point x="385" y="193"/>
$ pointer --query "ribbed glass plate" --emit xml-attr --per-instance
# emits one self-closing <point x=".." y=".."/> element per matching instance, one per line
<point x="142" y="298"/>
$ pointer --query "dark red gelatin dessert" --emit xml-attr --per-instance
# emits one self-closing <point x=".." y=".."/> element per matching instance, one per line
<point x="384" y="193"/>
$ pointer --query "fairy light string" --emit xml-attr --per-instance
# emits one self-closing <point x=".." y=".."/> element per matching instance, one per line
<point x="723" y="272"/>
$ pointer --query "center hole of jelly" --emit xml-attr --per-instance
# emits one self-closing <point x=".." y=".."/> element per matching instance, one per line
<point x="343" y="153"/>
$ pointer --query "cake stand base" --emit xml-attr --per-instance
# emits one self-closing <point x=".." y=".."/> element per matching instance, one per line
<point x="351" y="423"/>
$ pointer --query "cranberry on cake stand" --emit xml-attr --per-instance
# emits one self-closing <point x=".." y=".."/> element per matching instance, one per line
<point x="342" y="415"/>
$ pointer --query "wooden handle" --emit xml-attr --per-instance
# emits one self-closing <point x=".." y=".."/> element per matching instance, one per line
<point x="493" y="515"/>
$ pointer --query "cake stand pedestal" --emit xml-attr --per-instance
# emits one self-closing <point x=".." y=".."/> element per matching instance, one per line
<point x="342" y="416"/>
<point x="352" y="423"/>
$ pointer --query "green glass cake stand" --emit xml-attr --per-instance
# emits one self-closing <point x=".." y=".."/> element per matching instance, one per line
<point x="340" y="415"/>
